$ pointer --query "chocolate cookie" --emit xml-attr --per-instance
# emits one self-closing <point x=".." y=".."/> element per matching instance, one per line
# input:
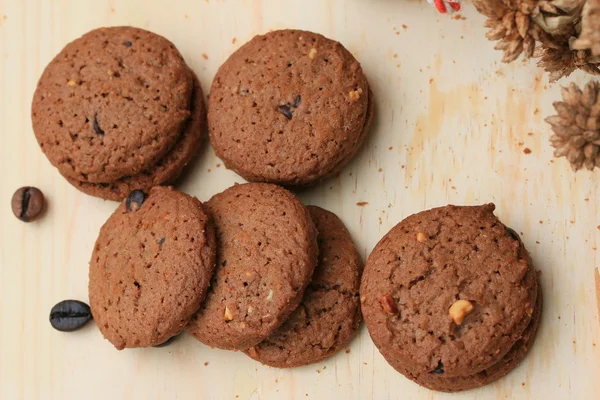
<point x="151" y="267"/>
<point x="510" y="361"/>
<point x="267" y="251"/>
<point x="168" y="169"/>
<point x="289" y="107"/>
<point x="111" y="104"/>
<point x="329" y="313"/>
<point x="448" y="290"/>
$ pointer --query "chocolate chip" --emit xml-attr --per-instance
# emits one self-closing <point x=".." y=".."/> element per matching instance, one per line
<point x="439" y="369"/>
<point x="27" y="203"/>
<point x="127" y="43"/>
<point x="297" y="101"/>
<point x="512" y="233"/>
<point x="97" y="128"/>
<point x="161" y="241"/>
<point x="285" y="110"/>
<point x="167" y="342"/>
<point x="135" y="200"/>
<point x="70" y="315"/>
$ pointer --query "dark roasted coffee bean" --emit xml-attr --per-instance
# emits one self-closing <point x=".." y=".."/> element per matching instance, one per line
<point x="27" y="203"/>
<point x="297" y="101"/>
<point x="128" y="43"/>
<point x="439" y="369"/>
<point x="135" y="200"/>
<point x="70" y="315"/>
<point x="167" y="342"/>
<point x="285" y="110"/>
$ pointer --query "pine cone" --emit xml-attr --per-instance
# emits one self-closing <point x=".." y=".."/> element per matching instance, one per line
<point x="590" y="33"/>
<point x="557" y="16"/>
<point x="577" y="126"/>
<point x="561" y="61"/>
<point x="511" y="23"/>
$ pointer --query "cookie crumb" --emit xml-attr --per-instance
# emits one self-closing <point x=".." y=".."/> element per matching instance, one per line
<point x="362" y="203"/>
<point x="526" y="150"/>
<point x="233" y="40"/>
<point x="204" y="56"/>
<point x="206" y="363"/>
<point x="348" y="350"/>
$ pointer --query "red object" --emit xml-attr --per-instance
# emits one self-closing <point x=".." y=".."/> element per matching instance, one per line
<point x="441" y="6"/>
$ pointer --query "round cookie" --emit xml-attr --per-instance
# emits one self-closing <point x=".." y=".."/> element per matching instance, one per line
<point x="289" y="107"/>
<point x="329" y="313"/>
<point x="423" y="266"/>
<point x="111" y="104"/>
<point x="267" y="251"/>
<point x="510" y="361"/>
<point x="151" y="267"/>
<point x="168" y="169"/>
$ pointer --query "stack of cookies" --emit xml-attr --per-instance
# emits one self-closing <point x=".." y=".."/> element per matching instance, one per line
<point x="251" y="270"/>
<point x="118" y="109"/>
<point x="289" y="107"/>
<point x="451" y="298"/>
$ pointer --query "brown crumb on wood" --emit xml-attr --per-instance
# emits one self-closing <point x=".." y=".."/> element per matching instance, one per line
<point x="526" y="150"/>
<point x="523" y="384"/>
<point x="379" y="170"/>
<point x="404" y="26"/>
<point x="391" y="148"/>
<point x="347" y="351"/>
<point x="362" y="203"/>
<point x="233" y="40"/>
<point x="206" y="363"/>
<point x="536" y="111"/>
<point x="204" y="56"/>
<point x="218" y="165"/>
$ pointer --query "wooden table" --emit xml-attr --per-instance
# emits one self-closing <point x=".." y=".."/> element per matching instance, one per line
<point x="453" y="126"/>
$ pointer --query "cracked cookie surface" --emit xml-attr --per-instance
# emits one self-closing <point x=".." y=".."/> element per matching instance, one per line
<point x="329" y="313"/>
<point x="111" y="104"/>
<point x="289" y="107"/>
<point x="151" y="267"/>
<point x="267" y="251"/>
<point x="423" y="266"/>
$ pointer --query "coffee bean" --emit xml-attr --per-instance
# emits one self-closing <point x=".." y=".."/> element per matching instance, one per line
<point x="167" y="342"/>
<point x="135" y="200"/>
<point x="285" y="110"/>
<point x="27" y="203"/>
<point x="70" y="315"/>
<point x="439" y="369"/>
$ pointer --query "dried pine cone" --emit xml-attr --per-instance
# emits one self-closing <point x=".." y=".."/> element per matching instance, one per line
<point x="561" y="61"/>
<point x="511" y="23"/>
<point x="577" y="126"/>
<point x="590" y="33"/>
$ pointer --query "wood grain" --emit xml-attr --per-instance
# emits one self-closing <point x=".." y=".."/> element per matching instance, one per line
<point x="453" y="125"/>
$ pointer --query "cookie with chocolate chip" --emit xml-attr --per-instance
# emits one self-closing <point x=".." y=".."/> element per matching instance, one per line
<point x="151" y="267"/>
<point x="111" y="104"/>
<point x="168" y="168"/>
<point x="448" y="291"/>
<point x="289" y="107"/>
<point x="266" y="254"/>
<point x="329" y="313"/>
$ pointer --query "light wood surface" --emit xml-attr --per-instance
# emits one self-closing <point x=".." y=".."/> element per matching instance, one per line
<point x="452" y="126"/>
